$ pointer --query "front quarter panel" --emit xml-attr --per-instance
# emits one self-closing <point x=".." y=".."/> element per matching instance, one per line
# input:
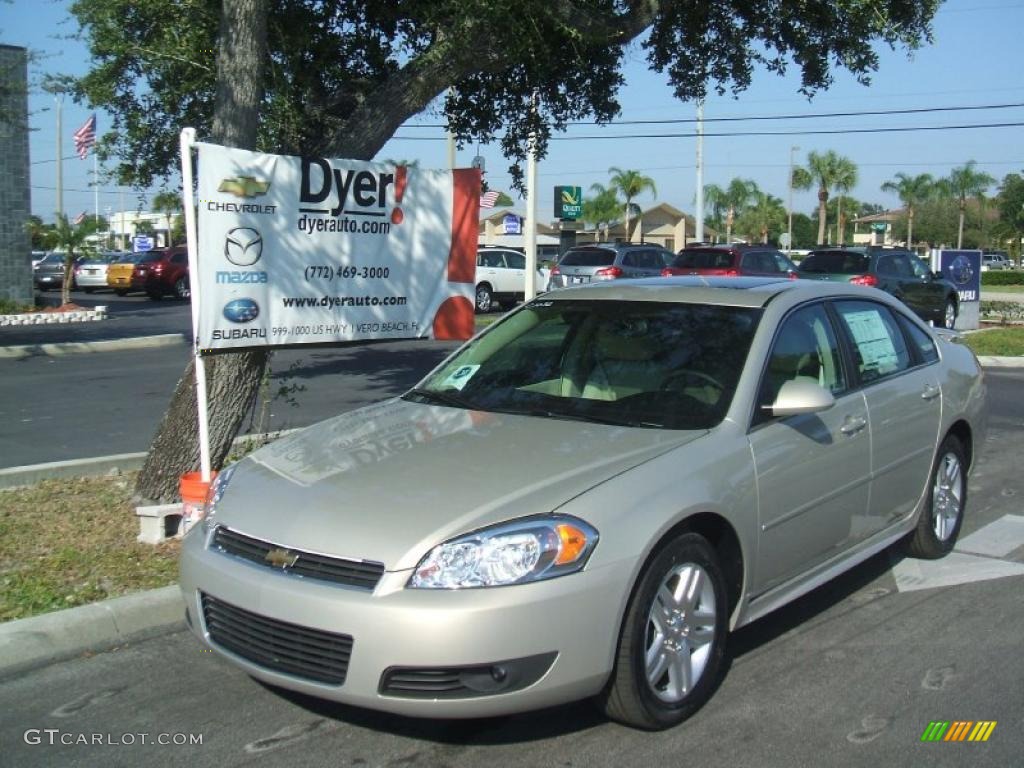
<point x="964" y="391"/>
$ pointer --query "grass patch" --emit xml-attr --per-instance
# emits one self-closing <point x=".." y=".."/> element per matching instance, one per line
<point x="1008" y="342"/>
<point x="66" y="542"/>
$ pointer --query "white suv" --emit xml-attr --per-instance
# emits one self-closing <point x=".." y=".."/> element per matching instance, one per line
<point x="501" y="277"/>
<point x="994" y="261"/>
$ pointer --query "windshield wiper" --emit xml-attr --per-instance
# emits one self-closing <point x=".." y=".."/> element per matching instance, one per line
<point x="573" y="416"/>
<point x="440" y="398"/>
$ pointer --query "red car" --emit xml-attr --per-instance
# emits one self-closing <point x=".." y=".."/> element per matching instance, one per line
<point x="163" y="272"/>
<point x="731" y="261"/>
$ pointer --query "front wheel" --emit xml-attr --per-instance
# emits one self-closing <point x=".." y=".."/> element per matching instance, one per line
<point x="182" y="289"/>
<point x="943" y="513"/>
<point x="672" y="640"/>
<point x="484" y="298"/>
<point x="121" y="291"/>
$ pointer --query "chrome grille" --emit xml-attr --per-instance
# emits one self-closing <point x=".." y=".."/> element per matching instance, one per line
<point x="353" y="573"/>
<point x="311" y="654"/>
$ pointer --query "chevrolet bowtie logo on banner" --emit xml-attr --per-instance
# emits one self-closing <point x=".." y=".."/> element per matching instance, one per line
<point x="958" y="730"/>
<point x="332" y="250"/>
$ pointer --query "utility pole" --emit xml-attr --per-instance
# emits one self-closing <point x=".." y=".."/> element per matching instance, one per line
<point x="789" y="226"/>
<point x="59" y="98"/>
<point x="699" y="215"/>
<point x="530" y="240"/>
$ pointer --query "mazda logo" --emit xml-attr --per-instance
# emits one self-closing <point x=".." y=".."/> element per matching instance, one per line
<point x="243" y="246"/>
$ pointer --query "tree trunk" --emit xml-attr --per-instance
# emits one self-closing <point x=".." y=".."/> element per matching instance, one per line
<point x="65" y="283"/>
<point x="822" y="214"/>
<point x="960" y="228"/>
<point x="910" y="227"/>
<point x="233" y="378"/>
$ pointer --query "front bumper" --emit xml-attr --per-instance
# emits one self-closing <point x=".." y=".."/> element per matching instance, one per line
<point x="573" y="619"/>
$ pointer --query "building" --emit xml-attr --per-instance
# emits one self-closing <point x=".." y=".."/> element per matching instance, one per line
<point x="15" y="196"/>
<point x="879" y="228"/>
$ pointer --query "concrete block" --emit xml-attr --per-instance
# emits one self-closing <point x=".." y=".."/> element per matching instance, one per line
<point x="159" y="522"/>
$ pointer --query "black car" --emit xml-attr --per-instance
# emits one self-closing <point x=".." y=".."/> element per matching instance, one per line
<point x="49" y="272"/>
<point x="894" y="270"/>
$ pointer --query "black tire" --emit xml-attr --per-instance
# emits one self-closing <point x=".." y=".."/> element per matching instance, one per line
<point x="484" y="298"/>
<point x="949" y="313"/>
<point x="156" y="295"/>
<point x="943" y="515"/>
<point x="182" y="289"/>
<point x="121" y="291"/>
<point x="89" y="290"/>
<point x="629" y="697"/>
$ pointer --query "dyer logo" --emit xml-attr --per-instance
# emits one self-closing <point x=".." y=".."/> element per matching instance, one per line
<point x="243" y="246"/>
<point x="241" y="310"/>
<point x="355" y="193"/>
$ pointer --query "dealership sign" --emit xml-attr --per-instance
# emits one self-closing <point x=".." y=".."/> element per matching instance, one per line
<point x="963" y="269"/>
<point x="310" y="250"/>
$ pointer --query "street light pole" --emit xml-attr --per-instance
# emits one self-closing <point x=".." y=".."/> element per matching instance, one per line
<point x="699" y="224"/>
<point x="789" y="231"/>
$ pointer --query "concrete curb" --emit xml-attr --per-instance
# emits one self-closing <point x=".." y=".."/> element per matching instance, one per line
<point x="77" y="347"/>
<point x="13" y="477"/>
<point x="992" y="361"/>
<point x="39" y="640"/>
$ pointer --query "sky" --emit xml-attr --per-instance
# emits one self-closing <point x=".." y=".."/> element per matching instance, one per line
<point x="974" y="61"/>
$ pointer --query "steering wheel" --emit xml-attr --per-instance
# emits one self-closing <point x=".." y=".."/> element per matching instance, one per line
<point x="677" y="377"/>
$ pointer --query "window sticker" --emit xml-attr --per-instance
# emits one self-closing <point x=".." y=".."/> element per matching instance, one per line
<point x="878" y="354"/>
<point x="460" y="377"/>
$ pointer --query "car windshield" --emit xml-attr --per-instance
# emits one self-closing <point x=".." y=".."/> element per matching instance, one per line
<point x="703" y="259"/>
<point x="588" y="257"/>
<point x="835" y="263"/>
<point x="630" y="363"/>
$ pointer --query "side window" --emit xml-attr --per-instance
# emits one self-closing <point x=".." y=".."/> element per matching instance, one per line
<point x="806" y="346"/>
<point x="748" y="262"/>
<point x="650" y="260"/>
<point x="878" y="344"/>
<point x="886" y="265"/>
<point x="902" y="264"/>
<point x="627" y="260"/>
<point x="919" y="267"/>
<point x="179" y="258"/>
<point x="919" y="340"/>
<point x="515" y="260"/>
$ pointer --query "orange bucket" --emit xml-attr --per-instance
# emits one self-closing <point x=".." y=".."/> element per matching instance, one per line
<point x="193" y="496"/>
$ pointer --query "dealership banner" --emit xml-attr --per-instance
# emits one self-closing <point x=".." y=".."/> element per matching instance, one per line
<point x="307" y="250"/>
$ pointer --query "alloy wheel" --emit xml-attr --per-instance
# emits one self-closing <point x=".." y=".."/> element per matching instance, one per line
<point x="947" y="496"/>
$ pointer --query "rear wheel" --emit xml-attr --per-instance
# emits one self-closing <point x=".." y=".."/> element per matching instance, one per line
<point x="943" y="513"/>
<point x="949" y="314"/>
<point x="673" y="638"/>
<point x="155" y="295"/>
<point x="121" y="291"/>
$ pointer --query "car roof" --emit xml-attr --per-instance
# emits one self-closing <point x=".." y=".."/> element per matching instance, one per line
<point x="723" y="291"/>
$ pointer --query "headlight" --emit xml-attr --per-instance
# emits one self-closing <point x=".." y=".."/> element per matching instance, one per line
<point x="512" y="553"/>
<point x="213" y="496"/>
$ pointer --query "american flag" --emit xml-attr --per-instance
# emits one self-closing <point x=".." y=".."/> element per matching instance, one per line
<point x="80" y="218"/>
<point x="488" y="199"/>
<point x="85" y="137"/>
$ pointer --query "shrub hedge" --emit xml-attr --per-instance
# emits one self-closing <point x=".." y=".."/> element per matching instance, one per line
<point x="1003" y="277"/>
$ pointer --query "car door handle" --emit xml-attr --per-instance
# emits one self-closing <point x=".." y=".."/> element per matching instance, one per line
<point x="930" y="392"/>
<point x="852" y="425"/>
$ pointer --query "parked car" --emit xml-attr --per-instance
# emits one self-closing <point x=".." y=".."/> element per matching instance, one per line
<point x="162" y="272"/>
<point x="894" y="270"/>
<point x="585" y="499"/>
<point x="731" y="261"/>
<point x="608" y="261"/>
<point x="995" y="261"/>
<point x="49" y="272"/>
<point x="119" y="274"/>
<point x="91" y="272"/>
<point x="501" y="277"/>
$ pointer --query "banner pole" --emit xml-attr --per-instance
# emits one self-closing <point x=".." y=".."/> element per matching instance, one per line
<point x="188" y="138"/>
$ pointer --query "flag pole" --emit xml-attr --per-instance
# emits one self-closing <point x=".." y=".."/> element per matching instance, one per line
<point x="188" y="139"/>
<point x="96" y="187"/>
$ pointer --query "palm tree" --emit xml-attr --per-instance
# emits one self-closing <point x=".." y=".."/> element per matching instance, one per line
<point x="964" y="182"/>
<point x="67" y="237"/>
<point x="734" y="200"/>
<point x="167" y="203"/>
<point x="912" y="191"/>
<point x="765" y="212"/>
<point x="602" y="208"/>
<point x="828" y="171"/>
<point x="630" y="184"/>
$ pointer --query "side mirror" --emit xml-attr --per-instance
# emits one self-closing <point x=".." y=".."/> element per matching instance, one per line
<point x="801" y="395"/>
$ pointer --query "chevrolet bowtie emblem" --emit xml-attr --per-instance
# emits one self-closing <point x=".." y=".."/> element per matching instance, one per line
<point x="281" y="558"/>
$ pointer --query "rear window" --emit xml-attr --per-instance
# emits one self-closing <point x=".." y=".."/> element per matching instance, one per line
<point x="588" y="257"/>
<point x="835" y="263"/>
<point x="709" y="259"/>
<point x="150" y="257"/>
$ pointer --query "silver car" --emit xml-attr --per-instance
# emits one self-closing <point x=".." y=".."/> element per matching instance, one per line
<point x="91" y="272"/>
<point x="608" y="261"/>
<point x="586" y="498"/>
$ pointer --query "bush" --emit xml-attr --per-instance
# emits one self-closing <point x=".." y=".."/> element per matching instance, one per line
<point x="9" y="307"/>
<point x="1003" y="277"/>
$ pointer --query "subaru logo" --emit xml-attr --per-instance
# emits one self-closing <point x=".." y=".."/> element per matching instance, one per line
<point x="961" y="269"/>
<point x="243" y="246"/>
<point x="241" y="310"/>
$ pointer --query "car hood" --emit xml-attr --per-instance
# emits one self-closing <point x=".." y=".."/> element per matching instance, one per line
<point x="388" y="482"/>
